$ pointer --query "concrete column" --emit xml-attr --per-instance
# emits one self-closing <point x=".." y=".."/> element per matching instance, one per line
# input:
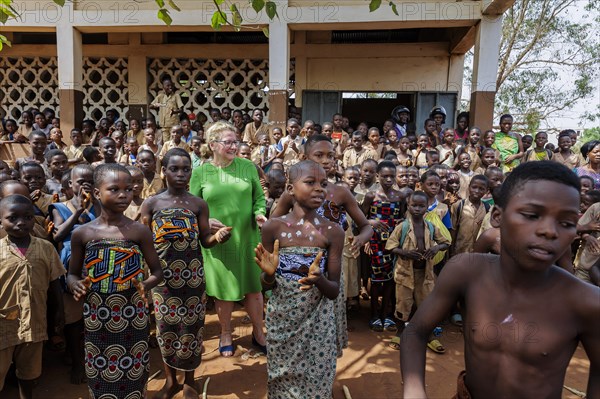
<point x="485" y="71"/>
<point x="279" y="71"/>
<point x="70" y="76"/>
<point x="138" y="81"/>
<point x="301" y="67"/>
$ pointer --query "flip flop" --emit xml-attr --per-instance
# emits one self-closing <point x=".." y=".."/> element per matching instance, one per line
<point x="389" y="325"/>
<point x="456" y="319"/>
<point x="436" y="346"/>
<point x="395" y="343"/>
<point x="376" y="325"/>
<point x="226" y="348"/>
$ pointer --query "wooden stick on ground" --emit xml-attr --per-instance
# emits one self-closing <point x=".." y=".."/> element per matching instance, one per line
<point x="153" y="376"/>
<point x="204" y="390"/>
<point x="575" y="391"/>
<point x="346" y="392"/>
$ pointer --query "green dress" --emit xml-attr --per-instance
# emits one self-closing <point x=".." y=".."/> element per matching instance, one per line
<point x="234" y="197"/>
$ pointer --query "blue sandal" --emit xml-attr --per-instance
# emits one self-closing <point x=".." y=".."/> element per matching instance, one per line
<point x="226" y="348"/>
<point x="376" y="325"/>
<point x="390" y="325"/>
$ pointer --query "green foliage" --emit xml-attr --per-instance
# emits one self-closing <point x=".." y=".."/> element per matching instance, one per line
<point x="539" y="41"/>
<point x="587" y="135"/>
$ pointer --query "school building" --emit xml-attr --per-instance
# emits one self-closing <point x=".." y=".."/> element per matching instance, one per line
<point x="321" y="56"/>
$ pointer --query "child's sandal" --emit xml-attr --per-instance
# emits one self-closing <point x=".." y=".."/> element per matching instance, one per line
<point x="376" y="325"/>
<point x="390" y="325"/>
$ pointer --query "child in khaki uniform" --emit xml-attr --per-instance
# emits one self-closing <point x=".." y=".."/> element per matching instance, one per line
<point x="29" y="267"/>
<point x="152" y="181"/>
<point x="415" y="242"/>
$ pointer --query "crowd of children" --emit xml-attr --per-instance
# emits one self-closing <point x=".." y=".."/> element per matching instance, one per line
<point x="90" y="228"/>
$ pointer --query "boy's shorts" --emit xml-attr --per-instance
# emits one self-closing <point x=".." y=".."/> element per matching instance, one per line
<point x="350" y="268"/>
<point x="27" y="358"/>
<point x="73" y="308"/>
<point x="407" y="297"/>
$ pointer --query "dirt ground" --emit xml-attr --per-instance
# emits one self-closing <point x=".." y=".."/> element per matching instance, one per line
<point x="368" y="368"/>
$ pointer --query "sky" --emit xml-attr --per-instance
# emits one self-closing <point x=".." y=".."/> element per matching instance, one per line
<point x="572" y="118"/>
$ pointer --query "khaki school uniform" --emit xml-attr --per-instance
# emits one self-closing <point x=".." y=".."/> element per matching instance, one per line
<point x="354" y="158"/>
<point x="412" y="285"/>
<point x="251" y="133"/>
<point x="469" y="222"/>
<point x="169" y="145"/>
<point x="152" y="187"/>
<point x="24" y="281"/>
<point x="572" y="161"/>
<point x="585" y="259"/>
<point x="165" y="120"/>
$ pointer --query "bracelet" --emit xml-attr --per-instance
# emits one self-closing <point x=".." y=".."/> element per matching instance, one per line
<point x="265" y="282"/>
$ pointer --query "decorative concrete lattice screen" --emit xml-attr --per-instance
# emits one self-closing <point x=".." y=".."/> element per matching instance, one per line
<point x="205" y="84"/>
<point x="105" y="86"/>
<point x="33" y="82"/>
<point x="27" y="82"/>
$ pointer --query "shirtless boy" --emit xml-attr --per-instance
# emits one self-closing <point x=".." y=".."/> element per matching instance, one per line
<point x="523" y="316"/>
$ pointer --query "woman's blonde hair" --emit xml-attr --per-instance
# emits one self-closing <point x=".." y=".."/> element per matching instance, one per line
<point x="215" y="131"/>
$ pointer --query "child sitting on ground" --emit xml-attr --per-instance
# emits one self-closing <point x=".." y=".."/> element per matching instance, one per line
<point x="521" y="293"/>
<point x="30" y="271"/>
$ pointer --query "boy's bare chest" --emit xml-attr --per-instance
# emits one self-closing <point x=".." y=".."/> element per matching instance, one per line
<point x="531" y="327"/>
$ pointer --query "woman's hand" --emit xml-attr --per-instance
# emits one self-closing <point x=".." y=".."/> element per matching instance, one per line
<point x="260" y="220"/>
<point x="266" y="260"/>
<point x="215" y="225"/>
<point x="314" y="274"/>
<point x="223" y="234"/>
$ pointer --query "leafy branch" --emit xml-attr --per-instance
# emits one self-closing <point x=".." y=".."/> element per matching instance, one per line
<point x="227" y="13"/>
<point x="8" y="11"/>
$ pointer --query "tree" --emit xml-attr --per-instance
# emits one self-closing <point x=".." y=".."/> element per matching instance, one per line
<point x="540" y="39"/>
<point x="227" y="12"/>
<point x="587" y="135"/>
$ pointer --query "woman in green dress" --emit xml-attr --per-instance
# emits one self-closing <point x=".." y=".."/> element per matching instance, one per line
<point x="232" y="189"/>
<point x="508" y="144"/>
